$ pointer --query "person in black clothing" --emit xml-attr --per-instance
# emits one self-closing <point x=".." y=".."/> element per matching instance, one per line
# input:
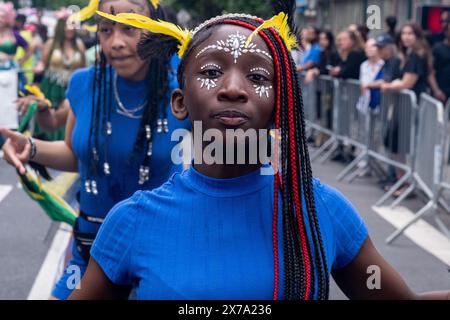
<point x="391" y="23"/>
<point x="391" y="71"/>
<point x="441" y="54"/>
<point x="416" y="70"/>
<point x="435" y="38"/>
<point x="416" y="61"/>
<point x="361" y="30"/>
<point x="351" y="51"/>
<point x="391" y="68"/>
<point x="329" y="56"/>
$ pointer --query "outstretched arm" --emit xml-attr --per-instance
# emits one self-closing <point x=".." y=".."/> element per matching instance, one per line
<point x="358" y="279"/>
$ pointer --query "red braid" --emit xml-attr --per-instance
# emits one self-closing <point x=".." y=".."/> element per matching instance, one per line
<point x="294" y="174"/>
<point x="293" y="155"/>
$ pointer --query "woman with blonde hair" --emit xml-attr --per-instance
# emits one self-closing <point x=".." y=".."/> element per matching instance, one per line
<point x="351" y="52"/>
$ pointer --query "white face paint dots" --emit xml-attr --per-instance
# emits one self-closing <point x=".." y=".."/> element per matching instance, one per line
<point x="262" y="90"/>
<point x="235" y="45"/>
<point x="260" y="69"/>
<point x="207" y="82"/>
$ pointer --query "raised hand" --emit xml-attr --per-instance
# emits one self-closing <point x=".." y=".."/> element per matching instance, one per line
<point x="16" y="149"/>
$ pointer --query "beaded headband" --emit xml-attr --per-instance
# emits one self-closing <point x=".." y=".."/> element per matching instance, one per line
<point x="184" y="36"/>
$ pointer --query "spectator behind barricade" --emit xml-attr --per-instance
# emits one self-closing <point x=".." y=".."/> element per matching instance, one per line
<point x="441" y="55"/>
<point x="416" y="68"/>
<point x="371" y="70"/>
<point x="329" y="56"/>
<point x="351" y="52"/>
<point x="25" y="55"/>
<point x="360" y="30"/>
<point x="391" y="24"/>
<point x="391" y="68"/>
<point x="328" y="59"/>
<point x="416" y="61"/>
<point x="311" y="54"/>
<point x="387" y="51"/>
<point x="434" y="38"/>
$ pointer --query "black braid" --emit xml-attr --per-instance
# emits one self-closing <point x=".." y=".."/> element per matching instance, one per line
<point x="294" y="266"/>
<point x="306" y="176"/>
<point x="157" y="100"/>
<point x="91" y="165"/>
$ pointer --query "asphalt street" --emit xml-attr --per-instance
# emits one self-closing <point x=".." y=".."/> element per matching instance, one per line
<point x="26" y="234"/>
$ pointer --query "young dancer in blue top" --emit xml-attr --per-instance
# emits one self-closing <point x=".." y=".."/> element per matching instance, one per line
<point x="221" y="231"/>
<point x="118" y="130"/>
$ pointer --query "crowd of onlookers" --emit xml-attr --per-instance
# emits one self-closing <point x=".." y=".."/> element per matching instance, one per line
<point x="400" y="58"/>
<point x="404" y="58"/>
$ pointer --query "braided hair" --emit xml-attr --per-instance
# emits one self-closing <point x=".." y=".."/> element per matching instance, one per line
<point x="157" y="98"/>
<point x="305" y="267"/>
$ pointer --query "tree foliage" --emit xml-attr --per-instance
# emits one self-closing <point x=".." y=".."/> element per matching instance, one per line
<point x="53" y="4"/>
<point x="204" y="9"/>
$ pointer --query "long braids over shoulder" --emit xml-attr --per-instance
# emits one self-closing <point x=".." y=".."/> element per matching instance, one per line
<point x="102" y="100"/>
<point x="305" y="267"/>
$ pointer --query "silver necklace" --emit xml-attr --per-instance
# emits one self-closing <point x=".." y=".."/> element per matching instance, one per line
<point x="162" y="125"/>
<point x="122" y="110"/>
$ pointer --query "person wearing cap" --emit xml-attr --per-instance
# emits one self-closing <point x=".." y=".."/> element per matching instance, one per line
<point x="387" y="51"/>
<point x="391" y="68"/>
<point x="370" y="71"/>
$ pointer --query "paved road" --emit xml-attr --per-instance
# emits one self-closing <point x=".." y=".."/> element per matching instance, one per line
<point x="421" y="271"/>
<point x="23" y="243"/>
<point x="25" y="237"/>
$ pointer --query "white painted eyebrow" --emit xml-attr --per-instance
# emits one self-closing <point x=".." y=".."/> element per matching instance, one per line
<point x="210" y="65"/>
<point x="260" y="69"/>
<point x="235" y="45"/>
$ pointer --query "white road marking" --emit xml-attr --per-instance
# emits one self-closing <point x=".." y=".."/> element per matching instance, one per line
<point x="4" y="191"/>
<point x="421" y="233"/>
<point x="52" y="266"/>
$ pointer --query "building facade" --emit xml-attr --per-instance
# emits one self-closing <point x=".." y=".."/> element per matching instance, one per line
<point x="338" y="14"/>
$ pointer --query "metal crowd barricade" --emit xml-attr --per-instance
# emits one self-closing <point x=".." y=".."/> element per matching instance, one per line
<point x="398" y="122"/>
<point x="355" y="127"/>
<point x="323" y="114"/>
<point x="431" y="165"/>
<point x="309" y="92"/>
<point x="350" y="121"/>
<point x="394" y="121"/>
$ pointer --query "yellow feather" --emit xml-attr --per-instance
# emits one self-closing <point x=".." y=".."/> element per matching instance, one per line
<point x="87" y="11"/>
<point x="155" y="3"/>
<point x="160" y="27"/>
<point x="34" y="90"/>
<point x="90" y="28"/>
<point x="279" y="22"/>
